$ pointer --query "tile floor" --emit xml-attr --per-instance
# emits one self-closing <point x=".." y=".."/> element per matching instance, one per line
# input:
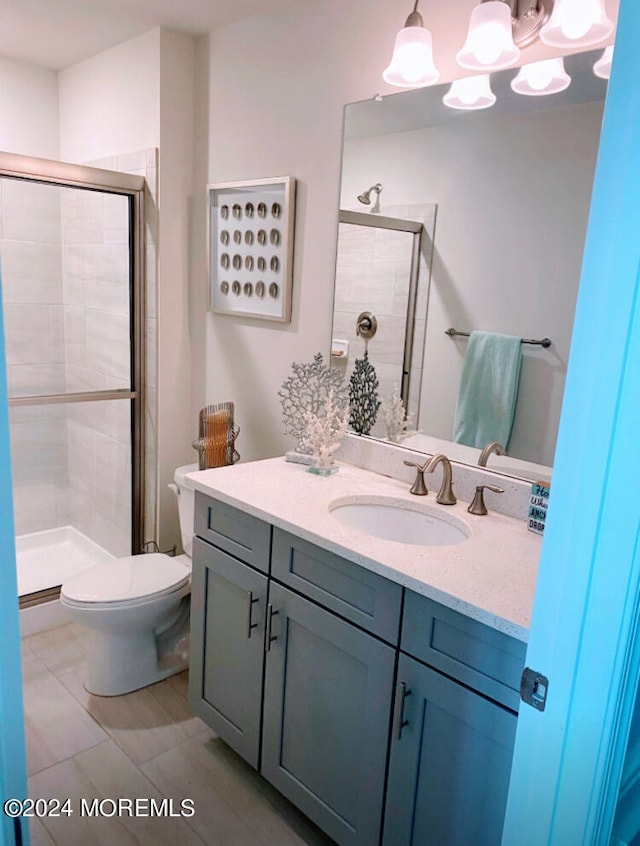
<point x="146" y="745"/>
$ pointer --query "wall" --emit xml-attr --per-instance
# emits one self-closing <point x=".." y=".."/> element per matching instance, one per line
<point x="140" y="95"/>
<point x="29" y="109"/>
<point x="274" y="90"/>
<point x="109" y="104"/>
<point x="514" y="269"/>
<point x="177" y="427"/>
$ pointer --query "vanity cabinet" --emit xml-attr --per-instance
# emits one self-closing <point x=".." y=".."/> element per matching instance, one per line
<point x="294" y="667"/>
<point x="296" y="653"/>
<point x="452" y="746"/>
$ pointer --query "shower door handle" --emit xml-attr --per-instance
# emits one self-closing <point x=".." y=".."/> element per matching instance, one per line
<point x="251" y="599"/>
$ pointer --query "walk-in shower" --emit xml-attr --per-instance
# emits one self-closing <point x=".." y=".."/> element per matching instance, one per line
<point x="71" y="253"/>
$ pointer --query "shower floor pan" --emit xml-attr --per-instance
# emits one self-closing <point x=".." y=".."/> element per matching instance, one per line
<point x="47" y="559"/>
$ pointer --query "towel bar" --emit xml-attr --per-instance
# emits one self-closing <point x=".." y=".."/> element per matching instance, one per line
<point x="542" y="342"/>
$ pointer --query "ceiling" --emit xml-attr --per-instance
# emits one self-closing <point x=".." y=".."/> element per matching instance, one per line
<point x="59" y="33"/>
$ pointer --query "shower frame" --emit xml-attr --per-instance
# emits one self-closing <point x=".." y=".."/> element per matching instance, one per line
<point x="415" y="229"/>
<point x="63" y="174"/>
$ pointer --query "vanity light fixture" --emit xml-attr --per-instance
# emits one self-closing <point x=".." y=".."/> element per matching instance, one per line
<point x="538" y="79"/>
<point x="412" y="64"/>
<point x="474" y="92"/>
<point x="497" y="31"/>
<point x="602" y="67"/>
<point x="577" y="23"/>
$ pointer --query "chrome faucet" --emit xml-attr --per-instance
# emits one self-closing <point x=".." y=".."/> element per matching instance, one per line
<point x="446" y="495"/>
<point x="494" y="446"/>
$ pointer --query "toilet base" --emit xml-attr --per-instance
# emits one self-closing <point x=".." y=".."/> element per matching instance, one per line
<point x="126" y="654"/>
<point x="125" y="664"/>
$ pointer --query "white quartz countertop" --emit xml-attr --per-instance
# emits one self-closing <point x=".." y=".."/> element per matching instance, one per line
<point x="490" y="577"/>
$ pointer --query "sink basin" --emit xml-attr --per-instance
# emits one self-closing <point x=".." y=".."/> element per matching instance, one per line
<point x="400" y="521"/>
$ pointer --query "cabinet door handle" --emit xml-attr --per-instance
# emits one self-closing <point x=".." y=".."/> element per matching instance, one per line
<point x="403" y="692"/>
<point x="251" y="599"/>
<point x="268" y="637"/>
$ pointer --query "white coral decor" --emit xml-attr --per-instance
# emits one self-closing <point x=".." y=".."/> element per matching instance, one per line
<point x="325" y="429"/>
<point x="393" y="414"/>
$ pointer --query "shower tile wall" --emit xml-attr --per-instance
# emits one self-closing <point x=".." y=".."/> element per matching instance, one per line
<point x="372" y="274"/>
<point x="64" y="256"/>
<point x="95" y="249"/>
<point x="33" y="315"/>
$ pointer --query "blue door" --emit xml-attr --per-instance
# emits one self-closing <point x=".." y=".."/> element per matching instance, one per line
<point x="13" y="770"/>
<point x="584" y="634"/>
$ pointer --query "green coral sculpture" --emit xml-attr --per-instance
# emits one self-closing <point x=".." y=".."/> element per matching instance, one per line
<point x="363" y="396"/>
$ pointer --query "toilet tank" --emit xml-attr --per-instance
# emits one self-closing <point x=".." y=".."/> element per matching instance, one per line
<point x="186" y="504"/>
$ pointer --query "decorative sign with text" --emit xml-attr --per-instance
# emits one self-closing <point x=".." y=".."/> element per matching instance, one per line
<point x="538" y="507"/>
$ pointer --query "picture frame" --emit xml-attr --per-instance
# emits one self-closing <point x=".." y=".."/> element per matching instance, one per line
<point x="250" y="227"/>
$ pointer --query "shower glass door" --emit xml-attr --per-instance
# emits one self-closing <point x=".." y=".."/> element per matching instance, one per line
<point x="70" y="259"/>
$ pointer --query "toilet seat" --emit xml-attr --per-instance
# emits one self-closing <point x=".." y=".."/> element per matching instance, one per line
<point x="127" y="581"/>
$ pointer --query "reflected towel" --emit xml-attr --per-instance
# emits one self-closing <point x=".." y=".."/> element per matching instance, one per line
<point x="488" y="389"/>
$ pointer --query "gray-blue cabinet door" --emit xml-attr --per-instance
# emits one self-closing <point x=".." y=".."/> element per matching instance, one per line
<point x="450" y="763"/>
<point x="228" y="607"/>
<point x="328" y="692"/>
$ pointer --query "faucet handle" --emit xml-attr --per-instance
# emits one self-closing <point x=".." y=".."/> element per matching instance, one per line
<point x="418" y="488"/>
<point x="478" y="506"/>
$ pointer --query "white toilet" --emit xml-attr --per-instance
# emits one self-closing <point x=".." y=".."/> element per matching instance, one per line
<point x="137" y="610"/>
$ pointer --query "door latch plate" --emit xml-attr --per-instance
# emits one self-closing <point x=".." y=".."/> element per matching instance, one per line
<point x="534" y="688"/>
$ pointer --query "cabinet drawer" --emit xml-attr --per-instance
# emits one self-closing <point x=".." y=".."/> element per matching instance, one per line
<point x="230" y="529"/>
<point x="366" y="599"/>
<point x="483" y="658"/>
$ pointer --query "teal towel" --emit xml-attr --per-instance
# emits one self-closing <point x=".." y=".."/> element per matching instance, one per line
<point x="488" y="389"/>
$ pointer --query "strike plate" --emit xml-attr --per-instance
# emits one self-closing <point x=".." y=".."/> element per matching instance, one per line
<point x="533" y="689"/>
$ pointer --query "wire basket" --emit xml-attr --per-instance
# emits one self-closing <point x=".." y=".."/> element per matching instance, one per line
<point x="217" y="436"/>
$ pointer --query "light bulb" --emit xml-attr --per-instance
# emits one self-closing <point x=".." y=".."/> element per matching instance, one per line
<point x="486" y="44"/>
<point x="540" y="78"/>
<point x="489" y="44"/>
<point x="573" y="20"/>
<point x="576" y="23"/>
<point x="474" y="92"/>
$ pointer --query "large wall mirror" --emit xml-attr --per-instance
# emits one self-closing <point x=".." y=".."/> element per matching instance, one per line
<point x="502" y="198"/>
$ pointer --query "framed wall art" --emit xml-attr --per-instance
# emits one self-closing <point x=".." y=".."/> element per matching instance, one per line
<point x="251" y="247"/>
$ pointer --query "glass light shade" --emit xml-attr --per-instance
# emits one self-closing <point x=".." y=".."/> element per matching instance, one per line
<point x="474" y="92"/>
<point x="602" y="67"/>
<point x="540" y="78"/>
<point x="577" y="23"/>
<point x="412" y="61"/>
<point x="489" y="44"/>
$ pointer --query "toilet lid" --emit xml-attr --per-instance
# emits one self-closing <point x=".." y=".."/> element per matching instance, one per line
<point x="122" y="579"/>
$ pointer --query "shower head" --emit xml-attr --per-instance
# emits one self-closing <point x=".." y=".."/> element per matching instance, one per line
<point x="365" y="197"/>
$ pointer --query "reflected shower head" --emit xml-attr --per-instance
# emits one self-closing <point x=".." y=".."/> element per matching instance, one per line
<point x="365" y="197"/>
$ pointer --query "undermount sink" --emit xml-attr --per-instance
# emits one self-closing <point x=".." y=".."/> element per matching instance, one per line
<point x="400" y="521"/>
